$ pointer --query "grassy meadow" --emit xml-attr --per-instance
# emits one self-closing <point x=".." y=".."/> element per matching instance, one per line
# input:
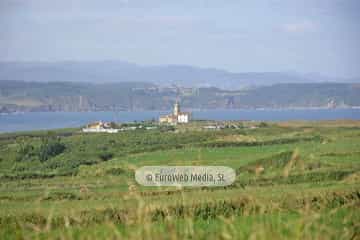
<point x="295" y="180"/>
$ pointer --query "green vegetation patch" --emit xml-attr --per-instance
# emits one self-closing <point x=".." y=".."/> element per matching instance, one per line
<point x="293" y="182"/>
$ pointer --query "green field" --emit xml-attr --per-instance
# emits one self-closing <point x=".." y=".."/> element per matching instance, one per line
<point x="295" y="180"/>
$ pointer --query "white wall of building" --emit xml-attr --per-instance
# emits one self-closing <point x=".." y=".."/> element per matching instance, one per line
<point x="183" y="118"/>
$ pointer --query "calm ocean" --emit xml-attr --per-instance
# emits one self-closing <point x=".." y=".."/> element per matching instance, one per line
<point x="52" y="120"/>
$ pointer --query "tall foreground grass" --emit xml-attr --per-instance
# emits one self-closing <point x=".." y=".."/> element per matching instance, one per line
<point x="330" y="215"/>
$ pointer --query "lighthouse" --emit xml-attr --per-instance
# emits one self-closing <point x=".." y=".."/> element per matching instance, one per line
<point x="176" y="108"/>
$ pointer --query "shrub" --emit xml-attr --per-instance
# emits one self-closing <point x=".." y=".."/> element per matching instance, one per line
<point x="50" y="147"/>
<point x="105" y="156"/>
<point x="115" y="171"/>
<point x="25" y="151"/>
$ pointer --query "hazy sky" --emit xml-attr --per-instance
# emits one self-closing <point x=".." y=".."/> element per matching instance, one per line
<point x="238" y="35"/>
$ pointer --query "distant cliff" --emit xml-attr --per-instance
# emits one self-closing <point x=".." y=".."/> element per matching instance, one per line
<point x="67" y="96"/>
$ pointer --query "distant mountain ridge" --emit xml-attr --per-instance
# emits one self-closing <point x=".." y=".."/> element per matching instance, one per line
<point x="120" y="71"/>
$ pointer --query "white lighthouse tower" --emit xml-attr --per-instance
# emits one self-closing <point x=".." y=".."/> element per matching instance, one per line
<point x="176" y="108"/>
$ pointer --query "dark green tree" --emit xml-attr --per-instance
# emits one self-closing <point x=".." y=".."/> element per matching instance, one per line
<point x="51" y="146"/>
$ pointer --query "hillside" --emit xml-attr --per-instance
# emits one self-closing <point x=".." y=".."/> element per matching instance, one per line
<point x="66" y="96"/>
<point x="293" y="180"/>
